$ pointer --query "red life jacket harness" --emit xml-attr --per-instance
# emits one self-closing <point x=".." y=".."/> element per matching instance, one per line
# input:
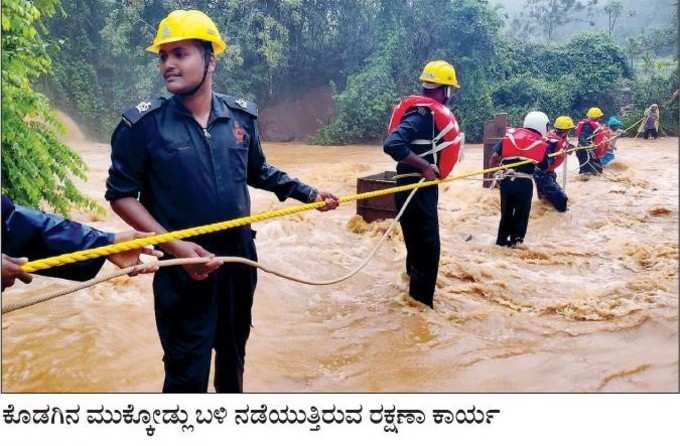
<point x="523" y="144"/>
<point x="446" y="144"/>
<point x="600" y="138"/>
<point x="591" y="122"/>
<point x="561" y="145"/>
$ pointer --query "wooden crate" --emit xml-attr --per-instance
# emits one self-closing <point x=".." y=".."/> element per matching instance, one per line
<point x="378" y="208"/>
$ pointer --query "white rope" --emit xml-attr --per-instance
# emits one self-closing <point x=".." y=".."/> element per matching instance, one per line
<point x="8" y="308"/>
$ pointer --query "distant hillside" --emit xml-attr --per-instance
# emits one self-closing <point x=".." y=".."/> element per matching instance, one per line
<point x="649" y="14"/>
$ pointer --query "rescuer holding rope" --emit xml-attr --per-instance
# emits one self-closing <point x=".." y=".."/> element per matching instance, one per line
<point x="545" y="177"/>
<point x="517" y="186"/>
<point x="591" y="132"/>
<point x="31" y="234"/>
<point x="187" y="161"/>
<point x="424" y="139"/>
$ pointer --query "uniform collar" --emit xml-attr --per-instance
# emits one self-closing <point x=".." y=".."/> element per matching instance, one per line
<point x="218" y="109"/>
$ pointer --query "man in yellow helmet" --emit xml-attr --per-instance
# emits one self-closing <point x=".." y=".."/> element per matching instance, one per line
<point x="187" y="161"/>
<point x="424" y="139"/>
<point x="587" y="131"/>
<point x="545" y="177"/>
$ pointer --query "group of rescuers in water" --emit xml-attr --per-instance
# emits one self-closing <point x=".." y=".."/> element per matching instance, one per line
<point x="187" y="161"/>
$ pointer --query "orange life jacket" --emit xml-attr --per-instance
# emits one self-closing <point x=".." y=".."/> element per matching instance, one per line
<point x="601" y="140"/>
<point x="600" y="136"/>
<point x="561" y="145"/>
<point x="524" y="144"/>
<point x="446" y="144"/>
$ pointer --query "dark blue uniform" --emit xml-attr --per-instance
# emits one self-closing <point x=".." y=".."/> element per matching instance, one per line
<point x="33" y="234"/>
<point x="188" y="176"/>
<point x="588" y="162"/>
<point x="516" y="194"/>
<point x="420" y="221"/>
<point x="546" y="181"/>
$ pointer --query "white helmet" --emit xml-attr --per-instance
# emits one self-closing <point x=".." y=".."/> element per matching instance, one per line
<point x="537" y="121"/>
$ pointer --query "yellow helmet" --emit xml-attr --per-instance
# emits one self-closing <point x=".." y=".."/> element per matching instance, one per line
<point x="594" y="113"/>
<point x="564" y="123"/>
<point x="185" y="25"/>
<point x="439" y="72"/>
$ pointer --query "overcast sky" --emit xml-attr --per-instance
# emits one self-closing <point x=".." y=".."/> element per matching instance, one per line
<point x="648" y="14"/>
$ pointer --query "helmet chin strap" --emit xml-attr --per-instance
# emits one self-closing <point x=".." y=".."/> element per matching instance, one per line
<point x="448" y="94"/>
<point x="192" y="91"/>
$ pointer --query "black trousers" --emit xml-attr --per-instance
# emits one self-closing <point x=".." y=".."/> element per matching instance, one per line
<point x="420" y="226"/>
<point x="548" y="189"/>
<point x="195" y="317"/>
<point x="516" y="195"/>
<point x="588" y="162"/>
<point x="651" y="133"/>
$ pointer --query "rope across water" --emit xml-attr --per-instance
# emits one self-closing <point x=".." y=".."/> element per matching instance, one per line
<point x="176" y="235"/>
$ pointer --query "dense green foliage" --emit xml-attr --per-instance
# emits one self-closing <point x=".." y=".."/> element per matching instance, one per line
<point x="35" y="165"/>
<point x="371" y="51"/>
<point x="275" y="49"/>
<point x="88" y="57"/>
<point x="658" y="78"/>
<point x="520" y="77"/>
<point x="465" y="33"/>
<point x="657" y="88"/>
<point x="564" y="79"/>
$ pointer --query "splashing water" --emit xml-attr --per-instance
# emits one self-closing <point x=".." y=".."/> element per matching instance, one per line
<point x="589" y="304"/>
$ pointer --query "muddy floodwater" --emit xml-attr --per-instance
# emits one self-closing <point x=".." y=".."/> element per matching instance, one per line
<point x="589" y="304"/>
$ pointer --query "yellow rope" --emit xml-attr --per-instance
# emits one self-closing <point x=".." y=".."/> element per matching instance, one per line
<point x="87" y="254"/>
<point x="8" y="308"/>
<point x="64" y="259"/>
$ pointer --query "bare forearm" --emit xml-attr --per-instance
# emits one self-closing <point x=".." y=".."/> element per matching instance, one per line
<point x="414" y="160"/>
<point x="136" y="215"/>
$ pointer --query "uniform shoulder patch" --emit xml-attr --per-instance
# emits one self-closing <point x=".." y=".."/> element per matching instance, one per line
<point x="241" y="104"/>
<point x="134" y="114"/>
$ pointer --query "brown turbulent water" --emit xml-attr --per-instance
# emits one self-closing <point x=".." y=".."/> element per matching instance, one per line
<point x="589" y="304"/>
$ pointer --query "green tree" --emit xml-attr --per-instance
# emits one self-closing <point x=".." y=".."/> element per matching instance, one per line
<point x="634" y="48"/>
<point x="80" y="69"/>
<point x="567" y="79"/>
<point x="465" y="32"/>
<point x="550" y="15"/>
<point x="614" y="11"/>
<point x="36" y="166"/>
<point x="369" y="51"/>
<point x="276" y="49"/>
<point x="658" y="79"/>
